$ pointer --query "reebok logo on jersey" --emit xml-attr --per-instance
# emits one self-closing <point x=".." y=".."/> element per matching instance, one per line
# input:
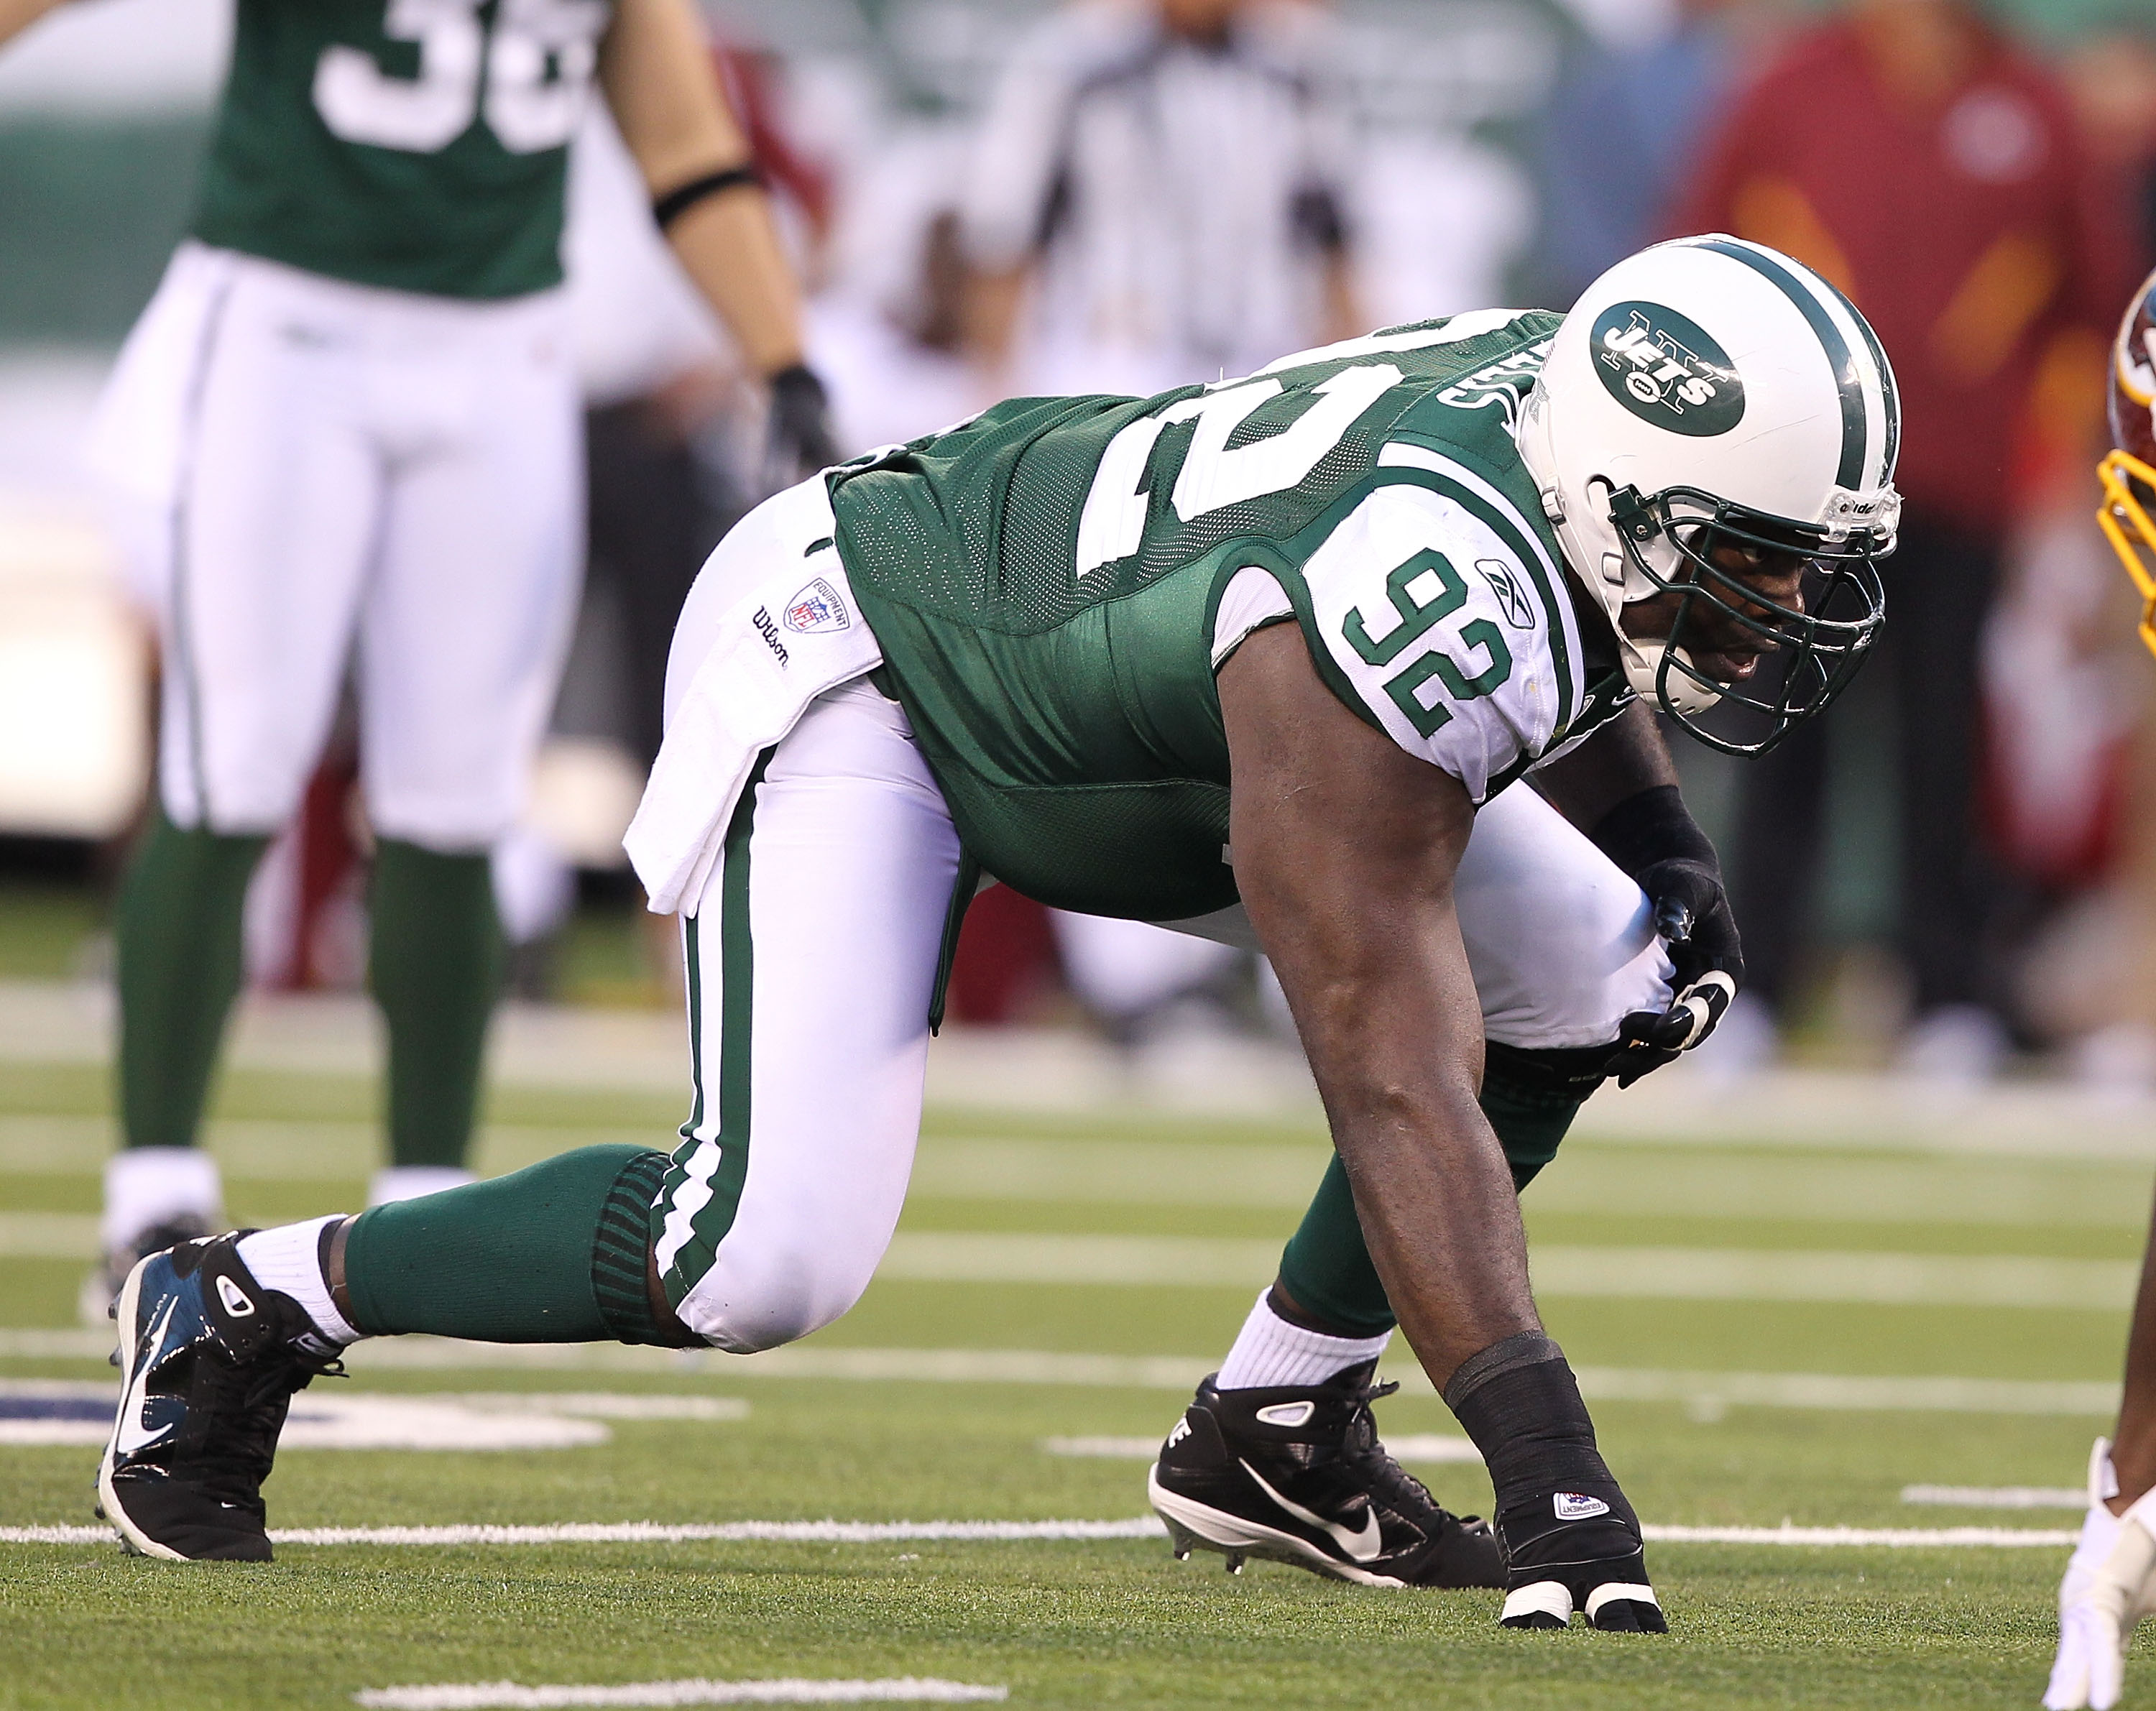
<point x="1665" y="370"/>
<point x="234" y="1298"/>
<point x="816" y="610"/>
<point x="1511" y="597"/>
<point x="1573" y="1506"/>
<point x="769" y="631"/>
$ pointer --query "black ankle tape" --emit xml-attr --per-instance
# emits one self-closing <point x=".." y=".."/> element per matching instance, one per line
<point x="1526" y="1348"/>
<point x="1527" y="1417"/>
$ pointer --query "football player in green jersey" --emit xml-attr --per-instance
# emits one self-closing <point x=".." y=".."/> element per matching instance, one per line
<point x="347" y="428"/>
<point x="1270" y="657"/>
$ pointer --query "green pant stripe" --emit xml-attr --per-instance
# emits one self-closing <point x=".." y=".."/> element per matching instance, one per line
<point x="696" y="1029"/>
<point x="737" y="1012"/>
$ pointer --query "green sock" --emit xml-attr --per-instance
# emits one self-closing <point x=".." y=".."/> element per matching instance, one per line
<point x="176" y="934"/>
<point x="1326" y="1264"/>
<point x="435" y="965"/>
<point x="554" y="1253"/>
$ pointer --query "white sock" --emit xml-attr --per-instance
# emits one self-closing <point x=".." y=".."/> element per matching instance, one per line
<point x="407" y="1182"/>
<point x="146" y="1186"/>
<point x="1270" y="1354"/>
<point x="288" y="1259"/>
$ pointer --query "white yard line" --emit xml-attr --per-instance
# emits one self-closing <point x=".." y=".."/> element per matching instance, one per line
<point x="1831" y="1392"/>
<point x="1408" y="1446"/>
<point x="1638" y="1273"/>
<point x="1996" y="1496"/>
<point x="785" y="1690"/>
<point x="966" y="1532"/>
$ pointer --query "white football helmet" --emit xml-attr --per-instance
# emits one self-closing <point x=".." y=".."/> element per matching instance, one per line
<point x="1710" y="392"/>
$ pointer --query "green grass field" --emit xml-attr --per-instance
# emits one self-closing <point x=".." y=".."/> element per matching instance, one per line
<point x="1690" y="1279"/>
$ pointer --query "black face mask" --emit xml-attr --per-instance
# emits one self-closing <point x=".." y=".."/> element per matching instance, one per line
<point x="1811" y="651"/>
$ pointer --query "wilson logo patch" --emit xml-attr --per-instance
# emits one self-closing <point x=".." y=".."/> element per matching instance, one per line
<point x="816" y="610"/>
<point x="1665" y="370"/>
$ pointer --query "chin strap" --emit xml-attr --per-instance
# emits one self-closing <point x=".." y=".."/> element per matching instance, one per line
<point x="1679" y="693"/>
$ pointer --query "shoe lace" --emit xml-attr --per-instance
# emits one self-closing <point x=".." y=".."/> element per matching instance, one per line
<point x="247" y="1405"/>
<point x="1364" y="1453"/>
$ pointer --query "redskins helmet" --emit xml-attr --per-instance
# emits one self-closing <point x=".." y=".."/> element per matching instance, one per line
<point x="1706" y="393"/>
<point x="2127" y="514"/>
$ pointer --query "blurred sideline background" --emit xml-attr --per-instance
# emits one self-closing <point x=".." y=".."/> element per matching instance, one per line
<point x="1463" y="153"/>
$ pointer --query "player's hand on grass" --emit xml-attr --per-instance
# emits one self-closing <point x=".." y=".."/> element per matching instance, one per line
<point x="801" y="441"/>
<point x="1570" y="1552"/>
<point x="2110" y="1585"/>
<point x="1691" y="914"/>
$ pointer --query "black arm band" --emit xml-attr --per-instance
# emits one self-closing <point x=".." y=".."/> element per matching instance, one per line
<point x="1654" y="825"/>
<point x="669" y="208"/>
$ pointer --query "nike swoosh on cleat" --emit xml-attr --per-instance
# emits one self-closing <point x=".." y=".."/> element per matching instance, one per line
<point x="1361" y="1546"/>
<point x="130" y="1436"/>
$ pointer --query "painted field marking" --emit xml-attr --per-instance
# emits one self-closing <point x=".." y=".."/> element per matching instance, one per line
<point x="1604" y="1273"/>
<point x="1832" y="1392"/>
<point x="1874" y="1537"/>
<point x="1996" y="1496"/>
<point x="786" y="1690"/>
<point x="979" y="1532"/>
<point x="1410" y="1446"/>
<point x="35" y="1411"/>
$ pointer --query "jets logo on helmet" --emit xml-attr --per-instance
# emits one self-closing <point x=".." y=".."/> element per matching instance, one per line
<point x="1666" y="370"/>
<point x="2127" y="515"/>
<point x="1631" y="435"/>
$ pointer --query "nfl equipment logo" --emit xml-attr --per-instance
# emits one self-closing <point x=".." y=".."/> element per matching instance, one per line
<point x="816" y="610"/>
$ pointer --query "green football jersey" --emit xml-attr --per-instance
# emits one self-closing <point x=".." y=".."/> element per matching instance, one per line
<point x="1043" y="581"/>
<point x="421" y="145"/>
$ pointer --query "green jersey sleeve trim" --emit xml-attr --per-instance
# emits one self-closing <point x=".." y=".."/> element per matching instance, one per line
<point x="1452" y="633"/>
<point x="1468" y="487"/>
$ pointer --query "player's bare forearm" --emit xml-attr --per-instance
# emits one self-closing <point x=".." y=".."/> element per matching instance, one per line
<point x="1626" y="755"/>
<point x="17" y="16"/>
<point x="993" y="300"/>
<point x="1345" y="848"/>
<point x="2133" y="1449"/>
<point x="656" y="68"/>
<point x="729" y="247"/>
<point x="1344" y="303"/>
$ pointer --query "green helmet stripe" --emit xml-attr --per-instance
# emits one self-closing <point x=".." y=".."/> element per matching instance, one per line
<point x="1843" y="361"/>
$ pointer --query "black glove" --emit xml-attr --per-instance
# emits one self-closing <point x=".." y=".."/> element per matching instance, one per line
<point x="1653" y="837"/>
<point x="800" y="441"/>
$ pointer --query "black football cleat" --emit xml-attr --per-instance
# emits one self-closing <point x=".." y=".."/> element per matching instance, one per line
<point x="1571" y="1550"/>
<point x="1298" y="1475"/>
<point x="208" y="1361"/>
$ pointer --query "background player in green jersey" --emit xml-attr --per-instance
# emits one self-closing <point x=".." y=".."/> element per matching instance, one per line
<point x="1270" y="656"/>
<point x="346" y="433"/>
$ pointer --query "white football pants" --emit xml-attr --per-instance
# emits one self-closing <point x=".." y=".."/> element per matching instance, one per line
<point x="315" y="476"/>
<point x="812" y="951"/>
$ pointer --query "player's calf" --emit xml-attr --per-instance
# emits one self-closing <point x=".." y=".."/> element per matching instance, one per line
<point x="1571" y="1541"/>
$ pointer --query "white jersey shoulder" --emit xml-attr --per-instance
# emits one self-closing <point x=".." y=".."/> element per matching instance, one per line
<point x="1448" y="619"/>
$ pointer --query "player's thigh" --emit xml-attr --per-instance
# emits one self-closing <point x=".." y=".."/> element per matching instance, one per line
<point x="1561" y="941"/>
<point x="269" y="523"/>
<point x="812" y="953"/>
<point x="468" y="614"/>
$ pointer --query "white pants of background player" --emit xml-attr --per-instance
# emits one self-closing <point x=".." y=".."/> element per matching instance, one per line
<point x="812" y="948"/>
<point x="317" y="478"/>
